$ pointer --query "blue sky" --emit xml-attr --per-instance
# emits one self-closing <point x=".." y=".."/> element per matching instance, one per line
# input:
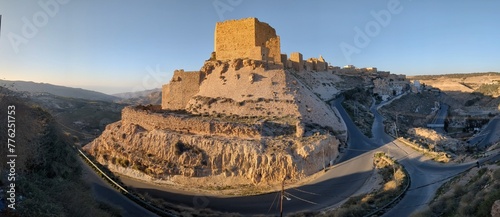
<point x="126" y="45"/>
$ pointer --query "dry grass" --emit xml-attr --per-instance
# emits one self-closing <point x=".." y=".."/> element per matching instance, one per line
<point x="460" y="197"/>
<point x="390" y="186"/>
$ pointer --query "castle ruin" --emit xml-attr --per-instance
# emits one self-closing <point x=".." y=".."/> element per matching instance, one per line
<point x="182" y="86"/>
<point x="245" y="118"/>
<point x="247" y="38"/>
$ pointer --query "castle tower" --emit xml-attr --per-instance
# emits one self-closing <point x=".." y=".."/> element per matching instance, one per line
<point x="247" y="38"/>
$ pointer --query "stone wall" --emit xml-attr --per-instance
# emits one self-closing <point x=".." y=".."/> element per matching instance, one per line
<point x="184" y="85"/>
<point x="246" y="38"/>
<point x="311" y="64"/>
<point x="297" y="61"/>
<point x="187" y="124"/>
<point x="272" y="50"/>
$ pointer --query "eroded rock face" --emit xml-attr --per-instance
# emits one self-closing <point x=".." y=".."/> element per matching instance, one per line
<point x="266" y="93"/>
<point x="442" y="142"/>
<point x="187" y="159"/>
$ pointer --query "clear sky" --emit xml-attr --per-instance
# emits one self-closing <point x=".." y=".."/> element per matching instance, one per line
<point x="126" y="45"/>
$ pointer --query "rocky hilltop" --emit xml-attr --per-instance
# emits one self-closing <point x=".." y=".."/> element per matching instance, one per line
<point x="212" y="153"/>
<point x="247" y="120"/>
<point x="254" y="91"/>
<point x="272" y="127"/>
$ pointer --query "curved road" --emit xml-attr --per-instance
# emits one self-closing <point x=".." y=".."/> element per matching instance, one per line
<point x="105" y="193"/>
<point x="335" y="185"/>
<point x="488" y="135"/>
<point x="426" y="176"/>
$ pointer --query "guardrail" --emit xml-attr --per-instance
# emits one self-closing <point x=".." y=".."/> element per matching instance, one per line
<point x="435" y="125"/>
<point x="102" y="173"/>
<point x="133" y="197"/>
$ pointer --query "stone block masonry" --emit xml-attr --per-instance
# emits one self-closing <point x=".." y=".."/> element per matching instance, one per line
<point x="181" y="88"/>
<point x="247" y="38"/>
<point x="187" y="124"/>
<point x="297" y="61"/>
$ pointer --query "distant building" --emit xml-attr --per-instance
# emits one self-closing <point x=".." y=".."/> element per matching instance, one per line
<point x="383" y="74"/>
<point x="416" y="87"/>
<point x="387" y="85"/>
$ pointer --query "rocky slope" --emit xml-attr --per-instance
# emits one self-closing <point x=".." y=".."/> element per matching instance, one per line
<point x="48" y="176"/>
<point x="436" y="141"/>
<point x="472" y="193"/>
<point x="249" y="124"/>
<point x="249" y="89"/>
<point x="198" y="159"/>
<point x="474" y="92"/>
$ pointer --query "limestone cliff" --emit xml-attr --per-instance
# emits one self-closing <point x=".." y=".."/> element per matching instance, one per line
<point x="253" y="89"/>
<point x="197" y="159"/>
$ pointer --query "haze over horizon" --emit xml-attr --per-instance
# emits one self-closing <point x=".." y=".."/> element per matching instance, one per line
<point x="122" y="46"/>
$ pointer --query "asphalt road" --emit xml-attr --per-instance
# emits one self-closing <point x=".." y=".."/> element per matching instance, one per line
<point x="104" y="192"/>
<point x="440" y="118"/>
<point x="426" y="176"/>
<point x="488" y="135"/>
<point x="441" y="115"/>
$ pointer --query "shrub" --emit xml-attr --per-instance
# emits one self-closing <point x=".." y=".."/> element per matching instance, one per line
<point x="496" y="174"/>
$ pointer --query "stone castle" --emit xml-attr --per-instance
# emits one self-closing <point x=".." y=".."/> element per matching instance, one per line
<point x="247" y="39"/>
<point x="250" y="115"/>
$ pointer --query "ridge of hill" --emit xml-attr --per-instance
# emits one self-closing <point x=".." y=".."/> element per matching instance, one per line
<point x="36" y="88"/>
<point x="453" y="75"/>
<point x="486" y="83"/>
<point x="145" y="97"/>
<point x="137" y="94"/>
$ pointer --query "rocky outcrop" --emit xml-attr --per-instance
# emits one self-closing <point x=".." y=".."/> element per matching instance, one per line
<point x="252" y="91"/>
<point x="435" y="140"/>
<point x="246" y="125"/>
<point x="191" y="159"/>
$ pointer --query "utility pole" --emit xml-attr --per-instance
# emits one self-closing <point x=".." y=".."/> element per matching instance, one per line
<point x="324" y="166"/>
<point x="282" y="195"/>
<point x="396" y="123"/>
